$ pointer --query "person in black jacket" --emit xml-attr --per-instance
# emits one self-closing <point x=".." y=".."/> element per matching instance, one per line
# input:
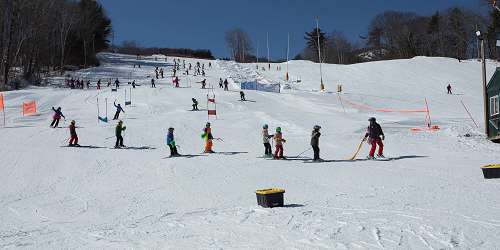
<point x="195" y="104"/>
<point x="375" y="137"/>
<point x="315" y="142"/>
<point x="119" y="109"/>
<point x="57" y="116"/>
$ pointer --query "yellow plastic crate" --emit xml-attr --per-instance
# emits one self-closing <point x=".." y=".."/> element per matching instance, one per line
<point x="491" y="171"/>
<point x="270" y="197"/>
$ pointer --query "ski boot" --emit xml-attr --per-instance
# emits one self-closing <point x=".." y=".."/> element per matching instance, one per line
<point x="381" y="156"/>
<point x="370" y="157"/>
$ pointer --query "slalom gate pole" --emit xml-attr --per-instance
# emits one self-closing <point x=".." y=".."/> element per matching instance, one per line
<point x="303" y="152"/>
<point x="341" y="103"/>
<point x="466" y="110"/>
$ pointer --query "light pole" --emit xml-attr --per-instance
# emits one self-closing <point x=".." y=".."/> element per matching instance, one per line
<point x="483" y="73"/>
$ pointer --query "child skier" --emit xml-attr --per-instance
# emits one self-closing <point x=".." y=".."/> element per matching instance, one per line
<point x="195" y="104"/>
<point x="226" y="83"/>
<point x="57" y="116"/>
<point x="153" y="83"/>
<point x="117" y="83"/>
<point x="278" y="139"/>
<point x="242" y="96"/>
<point x="315" y="142"/>
<point x="208" y="137"/>
<point x="73" y="141"/>
<point x="221" y="83"/>
<point x="176" y="82"/>
<point x="449" y="89"/>
<point x="118" y="110"/>
<point x="268" y="152"/>
<point x="375" y="137"/>
<point x="118" y="134"/>
<point x="171" y="143"/>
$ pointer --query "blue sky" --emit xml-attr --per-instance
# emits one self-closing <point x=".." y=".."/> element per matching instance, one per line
<point x="202" y="24"/>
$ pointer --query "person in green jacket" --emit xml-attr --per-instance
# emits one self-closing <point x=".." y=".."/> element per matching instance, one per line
<point x="118" y="133"/>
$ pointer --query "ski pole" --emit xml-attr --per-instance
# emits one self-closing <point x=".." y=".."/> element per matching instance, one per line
<point x="303" y="152"/>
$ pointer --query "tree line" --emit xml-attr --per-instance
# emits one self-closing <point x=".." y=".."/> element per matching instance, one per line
<point x="132" y="48"/>
<point x="394" y="35"/>
<point x="41" y="36"/>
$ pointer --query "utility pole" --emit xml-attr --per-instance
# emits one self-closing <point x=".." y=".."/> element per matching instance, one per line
<point x="481" y="37"/>
<point x="321" y="86"/>
<point x="287" y="57"/>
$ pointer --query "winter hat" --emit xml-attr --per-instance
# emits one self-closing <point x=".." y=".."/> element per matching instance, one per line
<point x="278" y="129"/>
<point x="170" y="129"/>
<point x="208" y="124"/>
<point x="73" y="122"/>
<point x="316" y="127"/>
<point x="372" y="119"/>
<point x="265" y="126"/>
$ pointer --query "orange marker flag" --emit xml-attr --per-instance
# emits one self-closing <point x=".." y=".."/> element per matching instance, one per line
<point x="29" y="108"/>
<point x="1" y="102"/>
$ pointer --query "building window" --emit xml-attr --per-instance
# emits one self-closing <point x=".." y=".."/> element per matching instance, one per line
<point x="494" y="108"/>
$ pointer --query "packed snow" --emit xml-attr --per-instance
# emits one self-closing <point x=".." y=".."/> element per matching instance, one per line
<point x="430" y="195"/>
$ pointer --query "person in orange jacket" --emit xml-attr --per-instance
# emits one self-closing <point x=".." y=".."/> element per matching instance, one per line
<point x="278" y="139"/>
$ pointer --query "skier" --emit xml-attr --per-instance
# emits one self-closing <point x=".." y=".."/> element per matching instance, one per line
<point x="268" y="152"/>
<point x="153" y="83"/>
<point x="226" y="83"/>
<point x="118" y="134"/>
<point x="242" y="96"/>
<point x="161" y="72"/>
<point x="208" y="137"/>
<point x="278" y="139"/>
<point x="315" y="142"/>
<point x="119" y="109"/>
<point x="375" y="137"/>
<point x="57" y="116"/>
<point x="221" y="83"/>
<point x="449" y="89"/>
<point x="195" y="104"/>
<point x="88" y="84"/>
<point x="203" y="83"/>
<point x="171" y="143"/>
<point x="176" y="82"/>
<point x="74" y="137"/>
<point x="210" y="64"/>
<point x="99" y="84"/>
<point x="133" y="84"/>
<point x="203" y="73"/>
<point x="117" y="83"/>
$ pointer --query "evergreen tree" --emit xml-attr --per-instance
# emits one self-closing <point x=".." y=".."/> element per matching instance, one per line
<point x="312" y="40"/>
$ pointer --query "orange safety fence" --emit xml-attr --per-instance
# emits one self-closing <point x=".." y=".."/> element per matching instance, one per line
<point x="1" y="102"/>
<point x="366" y="107"/>
<point x="29" y="108"/>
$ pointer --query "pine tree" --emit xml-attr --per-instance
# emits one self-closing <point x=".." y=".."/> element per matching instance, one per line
<point x="312" y="39"/>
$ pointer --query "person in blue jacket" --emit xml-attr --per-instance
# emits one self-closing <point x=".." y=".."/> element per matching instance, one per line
<point x="119" y="109"/>
<point x="171" y="143"/>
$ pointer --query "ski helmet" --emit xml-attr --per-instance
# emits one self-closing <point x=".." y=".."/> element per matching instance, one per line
<point x="316" y="127"/>
<point x="170" y="129"/>
<point x="372" y="119"/>
<point x="120" y="122"/>
<point x="208" y="124"/>
<point x="278" y="129"/>
<point x="265" y="126"/>
<point x="73" y="122"/>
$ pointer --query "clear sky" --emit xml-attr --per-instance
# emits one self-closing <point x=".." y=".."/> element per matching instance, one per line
<point x="203" y="23"/>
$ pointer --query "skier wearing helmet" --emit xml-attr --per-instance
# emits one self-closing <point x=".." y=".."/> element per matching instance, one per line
<point x="171" y="142"/>
<point x="207" y="136"/>
<point x="315" y="142"/>
<point x="268" y="152"/>
<point x="278" y="139"/>
<point x="118" y="134"/>
<point x="375" y="137"/>
<point x="74" y="137"/>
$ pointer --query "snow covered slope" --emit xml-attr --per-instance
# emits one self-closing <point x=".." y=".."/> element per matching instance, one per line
<point x="430" y="196"/>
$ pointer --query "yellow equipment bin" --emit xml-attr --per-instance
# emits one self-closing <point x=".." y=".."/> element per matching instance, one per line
<point x="491" y="171"/>
<point x="270" y="197"/>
